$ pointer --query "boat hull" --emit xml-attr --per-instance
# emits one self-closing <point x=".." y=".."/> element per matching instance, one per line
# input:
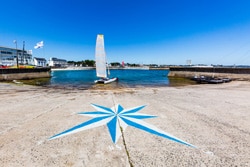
<point x="105" y="80"/>
<point x="210" y="80"/>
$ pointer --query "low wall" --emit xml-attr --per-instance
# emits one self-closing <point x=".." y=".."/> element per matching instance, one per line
<point x="189" y="72"/>
<point x="19" y="74"/>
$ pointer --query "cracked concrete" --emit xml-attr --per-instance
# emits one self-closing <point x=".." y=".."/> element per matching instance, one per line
<point x="215" y="118"/>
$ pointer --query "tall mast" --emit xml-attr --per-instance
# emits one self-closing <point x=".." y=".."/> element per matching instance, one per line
<point x="22" y="59"/>
<point x="17" y="64"/>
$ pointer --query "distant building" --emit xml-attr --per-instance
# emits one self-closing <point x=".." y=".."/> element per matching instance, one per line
<point x="8" y="56"/>
<point x="55" y="62"/>
<point x="40" y="62"/>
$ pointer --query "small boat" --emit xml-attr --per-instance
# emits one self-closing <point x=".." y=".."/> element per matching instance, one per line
<point x="226" y="80"/>
<point x="17" y="82"/>
<point x="212" y="80"/>
<point x="101" y="63"/>
<point x="199" y="79"/>
<point x="209" y="80"/>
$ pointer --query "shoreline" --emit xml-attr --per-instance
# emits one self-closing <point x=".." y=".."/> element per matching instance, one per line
<point x="44" y="82"/>
<point x="234" y="73"/>
<point x="215" y="118"/>
<point x="9" y="74"/>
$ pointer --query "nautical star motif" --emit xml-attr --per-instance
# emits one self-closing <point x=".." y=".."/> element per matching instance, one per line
<point x="115" y="118"/>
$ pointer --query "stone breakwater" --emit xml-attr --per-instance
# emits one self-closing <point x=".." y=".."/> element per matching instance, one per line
<point x="24" y="73"/>
<point x="228" y="72"/>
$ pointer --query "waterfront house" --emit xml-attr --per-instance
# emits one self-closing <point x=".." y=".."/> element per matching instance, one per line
<point x="41" y="62"/>
<point x="55" y="62"/>
<point x="8" y="56"/>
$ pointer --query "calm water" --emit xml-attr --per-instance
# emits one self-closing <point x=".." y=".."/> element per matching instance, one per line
<point x="84" y="79"/>
<point x="127" y="78"/>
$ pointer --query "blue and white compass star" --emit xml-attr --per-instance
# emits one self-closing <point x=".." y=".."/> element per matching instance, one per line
<point x="115" y="118"/>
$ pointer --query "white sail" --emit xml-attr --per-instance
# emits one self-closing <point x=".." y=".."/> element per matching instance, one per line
<point x="100" y="57"/>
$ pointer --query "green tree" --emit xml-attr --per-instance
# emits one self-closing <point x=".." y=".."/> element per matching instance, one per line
<point x="90" y="63"/>
<point x="115" y="64"/>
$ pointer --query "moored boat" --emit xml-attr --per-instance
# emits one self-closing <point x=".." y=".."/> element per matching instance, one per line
<point x="226" y="79"/>
<point x="213" y="80"/>
<point x="210" y="80"/>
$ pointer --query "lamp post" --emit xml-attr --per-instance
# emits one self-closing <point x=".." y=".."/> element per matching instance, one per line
<point x="16" y="54"/>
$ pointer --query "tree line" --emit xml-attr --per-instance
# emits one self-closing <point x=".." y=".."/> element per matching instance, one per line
<point x="83" y="63"/>
<point x="91" y="63"/>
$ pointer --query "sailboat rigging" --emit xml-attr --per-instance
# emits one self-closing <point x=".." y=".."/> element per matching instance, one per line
<point x="101" y="62"/>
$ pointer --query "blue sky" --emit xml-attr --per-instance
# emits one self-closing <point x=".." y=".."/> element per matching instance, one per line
<point x="138" y="31"/>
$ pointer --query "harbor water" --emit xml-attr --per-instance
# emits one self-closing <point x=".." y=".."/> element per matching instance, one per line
<point x="84" y="79"/>
<point x="126" y="78"/>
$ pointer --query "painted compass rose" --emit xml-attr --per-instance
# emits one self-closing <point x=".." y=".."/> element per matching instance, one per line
<point x="117" y="118"/>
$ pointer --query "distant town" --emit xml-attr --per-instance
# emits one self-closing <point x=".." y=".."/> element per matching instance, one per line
<point x="13" y="57"/>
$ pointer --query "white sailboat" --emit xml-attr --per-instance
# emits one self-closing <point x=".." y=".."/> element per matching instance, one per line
<point x="101" y="62"/>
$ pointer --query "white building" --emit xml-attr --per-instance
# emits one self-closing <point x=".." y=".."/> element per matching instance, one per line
<point x="55" y="62"/>
<point x="41" y="62"/>
<point x="8" y="56"/>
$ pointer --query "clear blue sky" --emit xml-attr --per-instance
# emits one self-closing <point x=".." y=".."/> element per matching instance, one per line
<point x="135" y="31"/>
